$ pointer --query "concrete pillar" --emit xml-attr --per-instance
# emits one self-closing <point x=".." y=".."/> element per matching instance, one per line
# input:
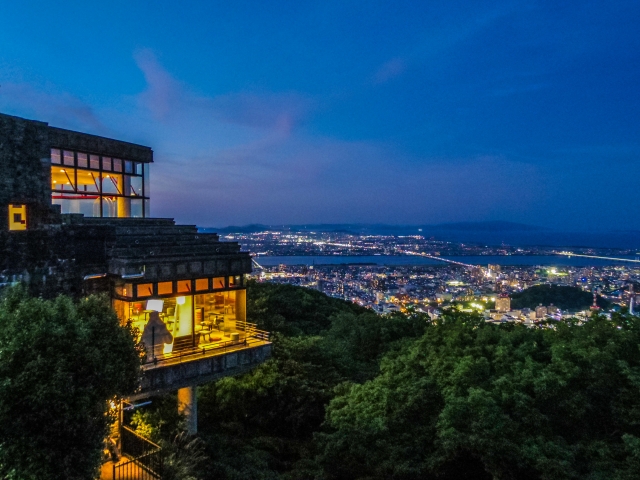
<point x="241" y="305"/>
<point x="188" y="406"/>
<point x="124" y="203"/>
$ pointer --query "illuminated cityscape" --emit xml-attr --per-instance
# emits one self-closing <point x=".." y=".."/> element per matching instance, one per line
<point x="335" y="240"/>
<point x="399" y="273"/>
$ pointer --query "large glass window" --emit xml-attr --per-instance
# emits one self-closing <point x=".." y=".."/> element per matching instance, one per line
<point x="144" y="289"/>
<point x="68" y="158"/>
<point x="136" y="209"/>
<point x="83" y="160"/>
<point x="222" y="312"/>
<point x="159" y="322"/>
<point x="99" y="186"/>
<point x="202" y="284"/>
<point x="165" y="288"/>
<point x="200" y="321"/>
<point x="184" y="286"/>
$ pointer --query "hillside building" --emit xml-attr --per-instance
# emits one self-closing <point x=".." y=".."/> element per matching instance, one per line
<point x="75" y="218"/>
<point x="503" y="303"/>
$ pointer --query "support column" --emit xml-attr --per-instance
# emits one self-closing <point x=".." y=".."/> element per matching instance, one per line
<point x="188" y="406"/>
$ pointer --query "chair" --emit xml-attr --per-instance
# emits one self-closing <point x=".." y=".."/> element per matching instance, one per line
<point x="218" y="301"/>
<point x="181" y="344"/>
<point x="170" y="316"/>
<point x="230" y="307"/>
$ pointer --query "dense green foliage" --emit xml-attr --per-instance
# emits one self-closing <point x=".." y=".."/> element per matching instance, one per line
<point x="350" y="394"/>
<point x="566" y="298"/>
<point x="516" y="402"/>
<point x="261" y="425"/>
<point x="60" y="362"/>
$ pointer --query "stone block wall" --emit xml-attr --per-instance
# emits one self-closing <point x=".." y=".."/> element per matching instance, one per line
<point x="25" y="172"/>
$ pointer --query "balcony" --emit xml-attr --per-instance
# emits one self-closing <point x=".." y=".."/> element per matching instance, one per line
<point x="218" y="353"/>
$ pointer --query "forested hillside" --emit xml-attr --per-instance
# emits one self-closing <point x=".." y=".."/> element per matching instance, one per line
<point x="350" y="394"/>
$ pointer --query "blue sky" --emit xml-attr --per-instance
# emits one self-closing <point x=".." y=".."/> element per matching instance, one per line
<point x="348" y="111"/>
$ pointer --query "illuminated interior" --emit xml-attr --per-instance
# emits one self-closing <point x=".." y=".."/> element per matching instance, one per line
<point x="17" y="217"/>
<point x="99" y="186"/>
<point x="203" y="319"/>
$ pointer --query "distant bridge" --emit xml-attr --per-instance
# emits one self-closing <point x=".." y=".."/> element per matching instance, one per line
<point x="571" y="254"/>
<point x="440" y="259"/>
<point x="256" y="264"/>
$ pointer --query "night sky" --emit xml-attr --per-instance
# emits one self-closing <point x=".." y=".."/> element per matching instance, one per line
<point x="348" y="111"/>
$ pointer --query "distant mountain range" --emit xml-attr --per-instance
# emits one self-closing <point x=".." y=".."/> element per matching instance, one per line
<point x="488" y="233"/>
<point x="379" y="227"/>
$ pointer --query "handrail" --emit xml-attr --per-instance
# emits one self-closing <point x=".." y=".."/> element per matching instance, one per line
<point x="259" y="336"/>
<point x="140" y="438"/>
<point x="144" y="454"/>
<point x="136" y="468"/>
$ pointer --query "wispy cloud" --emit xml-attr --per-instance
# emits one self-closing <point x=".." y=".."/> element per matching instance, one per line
<point x="389" y="70"/>
<point x="246" y="157"/>
<point x="61" y="108"/>
<point x="165" y="97"/>
<point x="163" y="93"/>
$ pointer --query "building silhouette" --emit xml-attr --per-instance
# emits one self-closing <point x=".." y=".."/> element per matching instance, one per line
<point x="75" y="218"/>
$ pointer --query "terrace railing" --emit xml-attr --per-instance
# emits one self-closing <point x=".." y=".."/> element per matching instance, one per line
<point x="251" y="330"/>
<point x="187" y="355"/>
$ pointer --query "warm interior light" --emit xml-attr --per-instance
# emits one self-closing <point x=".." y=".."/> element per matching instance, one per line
<point x="180" y="300"/>
<point x="62" y="170"/>
<point x="155" y="305"/>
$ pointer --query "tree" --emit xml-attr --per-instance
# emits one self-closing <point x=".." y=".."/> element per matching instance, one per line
<point x="261" y="425"/>
<point x="564" y="297"/>
<point x="60" y="363"/>
<point x="473" y="400"/>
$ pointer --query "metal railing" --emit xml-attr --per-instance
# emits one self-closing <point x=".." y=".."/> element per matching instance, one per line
<point x="187" y="355"/>
<point x="252" y="336"/>
<point x="251" y="330"/>
<point x="146" y="461"/>
<point x="132" y="469"/>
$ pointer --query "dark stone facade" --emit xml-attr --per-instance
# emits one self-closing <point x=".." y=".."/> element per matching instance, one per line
<point x="57" y="251"/>
<point x="55" y="259"/>
<point x="70" y="140"/>
<point x="25" y="175"/>
<point x="78" y="255"/>
<point x="25" y="163"/>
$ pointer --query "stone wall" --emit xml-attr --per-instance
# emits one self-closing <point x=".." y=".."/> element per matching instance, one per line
<point x="54" y="260"/>
<point x="25" y="174"/>
<point x="198" y="371"/>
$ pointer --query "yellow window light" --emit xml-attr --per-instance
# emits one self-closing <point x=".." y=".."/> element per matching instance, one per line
<point x="17" y="217"/>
